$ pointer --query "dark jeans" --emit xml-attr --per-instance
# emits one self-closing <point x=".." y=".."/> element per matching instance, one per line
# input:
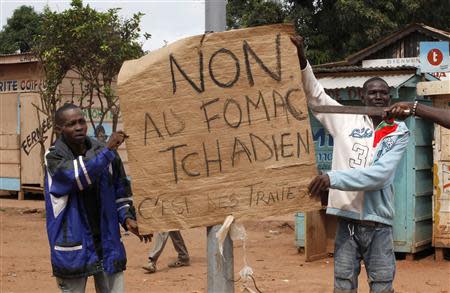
<point x="372" y="244"/>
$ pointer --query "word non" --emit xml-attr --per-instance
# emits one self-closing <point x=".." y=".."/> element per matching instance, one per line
<point x="214" y="67"/>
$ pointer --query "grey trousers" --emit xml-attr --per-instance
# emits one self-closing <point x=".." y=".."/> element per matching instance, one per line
<point x="104" y="283"/>
<point x="160" y="242"/>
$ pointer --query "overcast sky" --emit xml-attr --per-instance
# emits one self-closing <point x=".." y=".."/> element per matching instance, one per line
<point x="168" y="20"/>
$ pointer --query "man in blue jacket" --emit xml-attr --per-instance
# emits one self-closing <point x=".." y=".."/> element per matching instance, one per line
<point x="366" y="153"/>
<point x="87" y="196"/>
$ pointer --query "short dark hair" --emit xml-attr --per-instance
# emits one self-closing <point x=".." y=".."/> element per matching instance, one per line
<point x="376" y="78"/>
<point x="99" y="129"/>
<point x="59" y="120"/>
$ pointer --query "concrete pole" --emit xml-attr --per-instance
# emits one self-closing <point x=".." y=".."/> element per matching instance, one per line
<point x="220" y="269"/>
<point x="215" y="15"/>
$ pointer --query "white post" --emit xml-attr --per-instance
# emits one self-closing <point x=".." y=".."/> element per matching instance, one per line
<point x="220" y="269"/>
<point x="215" y="15"/>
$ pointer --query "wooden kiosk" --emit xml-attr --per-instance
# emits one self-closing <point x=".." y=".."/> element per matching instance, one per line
<point x="439" y="91"/>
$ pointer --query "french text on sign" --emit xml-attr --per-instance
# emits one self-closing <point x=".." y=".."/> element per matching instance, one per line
<point x="218" y="125"/>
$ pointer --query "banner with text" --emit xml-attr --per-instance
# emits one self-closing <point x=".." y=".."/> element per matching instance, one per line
<point x="218" y="125"/>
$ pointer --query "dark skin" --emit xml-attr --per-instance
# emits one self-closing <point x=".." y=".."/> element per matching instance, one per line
<point x="403" y="110"/>
<point x="74" y="128"/>
<point x="376" y="94"/>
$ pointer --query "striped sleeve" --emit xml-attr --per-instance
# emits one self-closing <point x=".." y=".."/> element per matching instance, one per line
<point x="122" y="186"/>
<point x="78" y="173"/>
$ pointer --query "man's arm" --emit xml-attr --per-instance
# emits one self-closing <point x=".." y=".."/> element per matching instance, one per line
<point x="67" y="175"/>
<point x="315" y="93"/>
<point x="374" y="177"/>
<point x="436" y="115"/>
<point x="124" y="196"/>
<point x="124" y="200"/>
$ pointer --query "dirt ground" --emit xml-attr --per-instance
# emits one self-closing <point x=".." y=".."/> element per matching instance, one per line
<point x="270" y="250"/>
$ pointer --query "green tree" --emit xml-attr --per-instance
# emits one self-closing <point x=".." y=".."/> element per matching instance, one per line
<point x="92" y="44"/>
<point x="20" y="29"/>
<point x="334" y="29"/>
<point x="247" y="13"/>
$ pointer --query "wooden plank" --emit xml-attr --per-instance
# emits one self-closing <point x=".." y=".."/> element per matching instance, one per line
<point x="441" y="200"/>
<point x="442" y="150"/>
<point x="440" y="87"/>
<point x="8" y="113"/>
<point x="315" y="235"/>
<point x="9" y="142"/>
<point x="31" y="171"/>
<point x="331" y="232"/>
<point x="441" y="182"/>
<point x="438" y="254"/>
<point x="10" y="170"/>
<point x="21" y="195"/>
<point x="441" y="242"/>
<point x="9" y="156"/>
<point x="204" y="145"/>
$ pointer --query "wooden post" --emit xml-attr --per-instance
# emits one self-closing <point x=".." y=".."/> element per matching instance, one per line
<point x="21" y="195"/>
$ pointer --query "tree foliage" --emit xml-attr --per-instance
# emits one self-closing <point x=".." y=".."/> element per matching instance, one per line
<point x="334" y="29"/>
<point x="19" y="31"/>
<point x="247" y="13"/>
<point x="94" y="45"/>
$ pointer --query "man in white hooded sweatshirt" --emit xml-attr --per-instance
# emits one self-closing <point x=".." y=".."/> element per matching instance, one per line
<point x="366" y="153"/>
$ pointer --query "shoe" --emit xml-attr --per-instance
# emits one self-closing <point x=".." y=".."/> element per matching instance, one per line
<point x="150" y="267"/>
<point x="179" y="263"/>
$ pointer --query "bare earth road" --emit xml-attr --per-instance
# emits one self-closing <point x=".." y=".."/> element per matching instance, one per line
<point x="277" y="265"/>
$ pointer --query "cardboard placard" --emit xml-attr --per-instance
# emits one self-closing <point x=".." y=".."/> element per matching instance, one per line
<point x="218" y="125"/>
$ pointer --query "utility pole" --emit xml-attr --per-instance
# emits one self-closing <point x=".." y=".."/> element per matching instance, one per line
<point x="220" y="268"/>
<point x="215" y="15"/>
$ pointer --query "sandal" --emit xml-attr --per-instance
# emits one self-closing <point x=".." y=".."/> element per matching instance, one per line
<point x="179" y="263"/>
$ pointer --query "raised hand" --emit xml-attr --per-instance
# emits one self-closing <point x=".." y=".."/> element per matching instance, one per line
<point x="299" y="42"/>
<point x="116" y="139"/>
<point x="400" y="110"/>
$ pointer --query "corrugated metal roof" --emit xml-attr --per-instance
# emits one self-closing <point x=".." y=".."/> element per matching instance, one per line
<point x="360" y="69"/>
<point x="358" y="81"/>
<point x="13" y="54"/>
<point x="355" y="58"/>
<point x="17" y="58"/>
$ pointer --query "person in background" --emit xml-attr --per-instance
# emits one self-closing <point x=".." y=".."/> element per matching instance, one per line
<point x="100" y="134"/>
<point x="160" y="242"/>
<point x="87" y="196"/>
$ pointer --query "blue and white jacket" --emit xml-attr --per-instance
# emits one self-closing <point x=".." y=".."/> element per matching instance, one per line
<point x="72" y="248"/>
<point x="363" y="168"/>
